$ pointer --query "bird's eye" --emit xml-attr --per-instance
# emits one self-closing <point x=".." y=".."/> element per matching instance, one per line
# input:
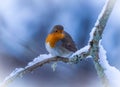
<point x="56" y="31"/>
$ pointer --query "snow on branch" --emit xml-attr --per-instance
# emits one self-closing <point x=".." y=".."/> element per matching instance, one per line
<point x="93" y="49"/>
<point x="42" y="60"/>
<point x="112" y="74"/>
<point x="96" y="36"/>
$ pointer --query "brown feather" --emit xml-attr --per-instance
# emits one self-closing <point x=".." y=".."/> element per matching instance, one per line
<point x="68" y="42"/>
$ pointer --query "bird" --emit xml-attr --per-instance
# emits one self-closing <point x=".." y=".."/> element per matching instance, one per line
<point x="59" y="43"/>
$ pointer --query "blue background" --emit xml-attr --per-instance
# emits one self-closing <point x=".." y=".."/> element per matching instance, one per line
<point x="24" y="25"/>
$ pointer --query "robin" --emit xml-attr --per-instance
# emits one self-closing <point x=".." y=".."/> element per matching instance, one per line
<point x="59" y="42"/>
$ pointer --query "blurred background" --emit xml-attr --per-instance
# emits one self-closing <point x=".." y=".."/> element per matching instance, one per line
<point x="24" y="25"/>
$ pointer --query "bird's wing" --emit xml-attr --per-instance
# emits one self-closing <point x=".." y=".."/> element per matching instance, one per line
<point x="68" y="42"/>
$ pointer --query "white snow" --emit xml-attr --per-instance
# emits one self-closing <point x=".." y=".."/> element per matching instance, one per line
<point x="111" y="72"/>
<point x="91" y="33"/>
<point x="11" y="77"/>
<point x="38" y="59"/>
<point x="19" y="71"/>
<point x="84" y="49"/>
<point x="103" y="9"/>
<point x="97" y="22"/>
<point x="14" y="73"/>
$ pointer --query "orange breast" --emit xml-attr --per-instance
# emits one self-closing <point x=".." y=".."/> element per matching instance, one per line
<point x="53" y="38"/>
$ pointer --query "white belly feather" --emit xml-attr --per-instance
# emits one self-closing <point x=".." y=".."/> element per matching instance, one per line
<point x="58" y="51"/>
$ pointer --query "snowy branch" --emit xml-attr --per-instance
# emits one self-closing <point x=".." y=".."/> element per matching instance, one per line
<point x="42" y="60"/>
<point x="92" y="49"/>
<point x="96" y="36"/>
<point x="37" y="62"/>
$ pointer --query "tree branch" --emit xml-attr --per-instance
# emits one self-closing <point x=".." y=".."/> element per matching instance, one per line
<point x="41" y="63"/>
<point x="18" y="72"/>
<point x="92" y="49"/>
<point x="97" y="36"/>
